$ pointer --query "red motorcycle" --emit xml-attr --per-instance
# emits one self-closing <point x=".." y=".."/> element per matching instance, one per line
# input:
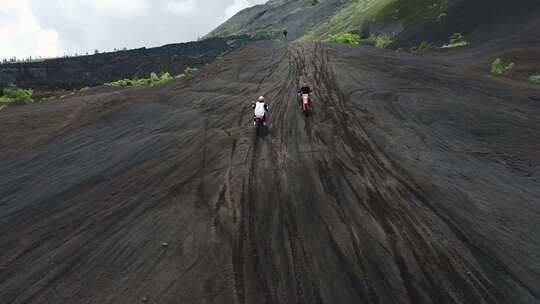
<point x="306" y="103"/>
<point x="260" y="124"/>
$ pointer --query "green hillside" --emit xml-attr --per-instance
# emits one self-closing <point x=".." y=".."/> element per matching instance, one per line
<point x="350" y="17"/>
<point x="271" y="19"/>
<point x="391" y="16"/>
<point x="312" y="20"/>
<point x="395" y="23"/>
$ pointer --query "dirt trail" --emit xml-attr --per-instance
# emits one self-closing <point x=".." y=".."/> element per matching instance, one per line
<point x="414" y="181"/>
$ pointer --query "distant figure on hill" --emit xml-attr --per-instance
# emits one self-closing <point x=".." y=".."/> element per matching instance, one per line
<point x="285" y="34"/>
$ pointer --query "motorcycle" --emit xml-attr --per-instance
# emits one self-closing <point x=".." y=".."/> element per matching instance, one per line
<point x="260" y="124"/>
<point x="306" y="103"/>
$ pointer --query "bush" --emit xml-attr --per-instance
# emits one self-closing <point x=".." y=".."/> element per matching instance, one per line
<point x="4" y="102"/>
<point x="498" y="68"/>
<point x="13" y="94"/>
<point x="153" y="80"/>
<point x="380" y="41"/>
<point x="84" y="89"/>
<point x="383" y="40"/>
<point x="190" y="71"/>
<point x="424" y="46"/>
<point x="348" y="38"/>
<point x="16" y="94"/>
<point x="509" y="66"/>
<point x="535" y="77"/>
<point x="456" y="40"/>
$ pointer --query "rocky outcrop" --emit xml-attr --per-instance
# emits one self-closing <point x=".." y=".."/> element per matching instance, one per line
<point x="77" y="72"/>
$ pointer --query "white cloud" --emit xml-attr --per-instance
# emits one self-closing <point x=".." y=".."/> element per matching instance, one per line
<point x="182" y="7"/>
<point x="21" y="34"/>
<point x="120" y="9"/>
<point x="57" y="27"/>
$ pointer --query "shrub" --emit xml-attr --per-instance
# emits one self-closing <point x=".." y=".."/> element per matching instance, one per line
<point x="379" y="41"/>
<point x="535" y="77"/>
<point x="190" y="71"/>
<point x="4" y="101"/>
<point x="12" y="94"/>
<point x="509" y="66"/>
<point x="456" y="40"/>
<point x="153" y="80"/>
<point x="119" y="83"/>
<point x="16" y="94"/>
<point x="383" y="40"/>
<point x="424" y="45"/>
<point x="498" y="68"/>
<point x="83" y="89"/>
<point x="348" y="38"/>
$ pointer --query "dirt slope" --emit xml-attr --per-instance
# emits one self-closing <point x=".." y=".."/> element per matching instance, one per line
<point x="415" y="181"/>
<point x="479" y="21"/>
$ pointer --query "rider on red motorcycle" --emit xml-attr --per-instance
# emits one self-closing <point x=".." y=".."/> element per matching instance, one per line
<point x="305" y="90"/>
<point x="260" y="109"/>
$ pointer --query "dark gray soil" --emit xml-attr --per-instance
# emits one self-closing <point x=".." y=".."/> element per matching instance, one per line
<point x="415" y="180"/>
<point x="479" y="21"/>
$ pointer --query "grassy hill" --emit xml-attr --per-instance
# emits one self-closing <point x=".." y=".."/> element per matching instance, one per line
<point x="270" y="19"/>
<point x="309" y="20"/>
<point x="408" y="22"/>
<point x="391" y="16"/>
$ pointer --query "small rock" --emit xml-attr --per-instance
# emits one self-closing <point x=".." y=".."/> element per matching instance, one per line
<point x="144" y="299"/>
<point x="164" y="244"/>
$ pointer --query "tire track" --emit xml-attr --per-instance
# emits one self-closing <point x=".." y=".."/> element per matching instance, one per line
<point x="380" y="169"/>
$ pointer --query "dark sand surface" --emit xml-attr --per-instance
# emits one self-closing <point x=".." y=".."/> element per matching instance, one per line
<point x="415" y="180"/>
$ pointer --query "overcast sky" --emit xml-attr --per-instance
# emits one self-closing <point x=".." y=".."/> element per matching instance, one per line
<point x="55" y="27"/>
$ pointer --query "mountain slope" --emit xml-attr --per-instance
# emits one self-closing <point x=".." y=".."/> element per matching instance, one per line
<point x="272" y="18"/>
<point x="479" y="20"/>
<point x="409" y="21"/>
<point x="391" y="16"/>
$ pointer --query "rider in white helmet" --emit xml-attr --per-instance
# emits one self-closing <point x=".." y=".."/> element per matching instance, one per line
<point x="260" y="109"/>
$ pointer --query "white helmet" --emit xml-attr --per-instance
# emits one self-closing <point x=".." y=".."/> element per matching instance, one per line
<point x="261" y="99"/>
